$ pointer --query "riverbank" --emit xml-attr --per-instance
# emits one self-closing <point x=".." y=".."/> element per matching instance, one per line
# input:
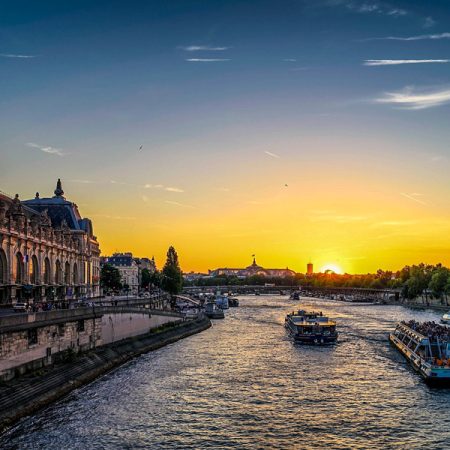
<point x="28" y="394"/>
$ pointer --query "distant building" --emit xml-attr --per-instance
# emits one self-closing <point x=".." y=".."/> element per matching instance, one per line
<point x="48" y="252"/>
<point x="309" y="269"/>
<point x="193" y="276"/>
<point x="253" y="269"/>
<point x="130" y="268"/>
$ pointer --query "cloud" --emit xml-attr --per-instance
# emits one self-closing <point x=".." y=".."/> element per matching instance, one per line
<point x="47" y="149"/>
<point x="181" y="205"/>
<point x="198" y="48"/>
<point x="289" y="60"/>
<point x="12" y="55"/>
<point x="207" y="59"/>
<point x="413" y="196"/>
<point x="420" y="37"/>
<point x="272" y="155"/>
<point x="369" y="7"/>
<point x="107" y="216"/>
<point x="162" y="187"/>
<point x="82" y="181"/>
<point x="332" y="216"/>
<point x="408" y="99"/>
<point x="429" y="22"/>
<point x="394" y="62"/>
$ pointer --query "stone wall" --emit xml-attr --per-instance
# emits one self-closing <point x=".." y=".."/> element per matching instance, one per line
<point x="32" y="341"/>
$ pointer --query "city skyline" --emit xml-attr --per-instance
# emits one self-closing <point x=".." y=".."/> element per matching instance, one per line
<point x="301" y="130"/>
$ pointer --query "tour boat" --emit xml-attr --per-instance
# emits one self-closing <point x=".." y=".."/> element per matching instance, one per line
<point x="446" y="319"/>
<point x="222" y="301"/>
<point x="427" y="347"/>
<point x="311" y="328"/>
<point x="213" y="311"/>
<point x="295" y="295"/>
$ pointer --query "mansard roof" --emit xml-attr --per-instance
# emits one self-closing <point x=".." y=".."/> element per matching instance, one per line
<point x="59" y="210"/>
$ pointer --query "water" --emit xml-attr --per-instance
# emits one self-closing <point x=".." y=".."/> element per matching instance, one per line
<point x="243" y="384"/>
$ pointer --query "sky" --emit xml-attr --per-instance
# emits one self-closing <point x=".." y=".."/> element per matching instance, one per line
<point x="296" y="130"/>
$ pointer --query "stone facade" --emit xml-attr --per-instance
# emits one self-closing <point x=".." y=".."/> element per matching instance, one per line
<point x="48" y="252"/>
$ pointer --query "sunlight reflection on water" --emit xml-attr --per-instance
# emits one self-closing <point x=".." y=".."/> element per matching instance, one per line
<point x="243" y="384"/>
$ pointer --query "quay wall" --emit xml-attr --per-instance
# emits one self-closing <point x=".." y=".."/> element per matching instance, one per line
<point x="29" y="342"/>
<point x="24" y="396"/>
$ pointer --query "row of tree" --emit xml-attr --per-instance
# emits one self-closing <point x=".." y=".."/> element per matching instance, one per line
<point x="413" y="281"/>
<point x="169" y="279"/>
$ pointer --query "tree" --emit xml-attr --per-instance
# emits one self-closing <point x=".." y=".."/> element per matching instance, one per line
<point x="439" y="281"/>
<point x="146" y="278"/>
<point x="110" y="278"/>
<point x="172" y="277"/>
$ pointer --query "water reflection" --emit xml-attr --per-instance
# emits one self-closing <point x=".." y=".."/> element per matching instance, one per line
<point x="244" y="384"/>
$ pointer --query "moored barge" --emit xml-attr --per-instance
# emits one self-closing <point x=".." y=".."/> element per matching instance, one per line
<point x="427" y="348"/>
<point x="311" y="328"/>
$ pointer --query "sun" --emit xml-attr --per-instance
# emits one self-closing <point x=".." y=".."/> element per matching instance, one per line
<point x="331" y="268"/>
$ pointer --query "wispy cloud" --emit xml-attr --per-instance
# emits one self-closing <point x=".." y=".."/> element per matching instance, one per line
<point x="14" y="55"/>
<point x="289" y="60"/>
<point x="107" y="216"/>
<point x="162" y="187"/>
<point x="420" y="37"/>
<point x="200" y="48"/>
<point x="394" y="62"/>
<point x="369" y="7"/>
<point x="429" y="22"/>
<point x="409" y="99"/>
<point x="82" y="181"/>
<point x="47" y="149"/>
<point x="272" y="155"/>
<point x="181" y="205"/>
<point x="207" y="59"/>
<point x="414" y="197"/>
<point x="332" y="216"/>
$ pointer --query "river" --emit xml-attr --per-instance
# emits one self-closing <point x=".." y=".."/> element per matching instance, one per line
<point x="243" y="384"/>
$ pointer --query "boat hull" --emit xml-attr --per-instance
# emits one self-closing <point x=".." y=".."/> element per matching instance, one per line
<point x="438" y="375"/>
<point x="311" y="339"/>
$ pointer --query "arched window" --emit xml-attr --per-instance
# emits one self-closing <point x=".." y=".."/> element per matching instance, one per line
<point x="75" y="274"/>
<point x="3" y="267"/>
<point x="58" y="272"/>
<point x="47" y="271"/>
<point x="19" y="268"/>
<point x="67" y="273"/>
<point x="34" y="270"/>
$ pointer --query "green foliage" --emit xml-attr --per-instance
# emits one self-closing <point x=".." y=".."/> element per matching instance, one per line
<point x="439" y="282"/>
<point x="171" y="276"/>
<point x="110" y="278"/>
<point x="413" y="281"/>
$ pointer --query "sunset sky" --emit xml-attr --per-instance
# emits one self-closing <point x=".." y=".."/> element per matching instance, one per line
<point x="295" y="130"/>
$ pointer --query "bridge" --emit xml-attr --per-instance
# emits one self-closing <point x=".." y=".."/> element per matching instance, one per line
<point x="350" y="293"/>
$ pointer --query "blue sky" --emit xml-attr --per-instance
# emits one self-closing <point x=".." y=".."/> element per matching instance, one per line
<point x="215" y="91"/>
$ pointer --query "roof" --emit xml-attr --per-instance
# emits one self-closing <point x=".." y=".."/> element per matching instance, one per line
<point x="60" y="210"/>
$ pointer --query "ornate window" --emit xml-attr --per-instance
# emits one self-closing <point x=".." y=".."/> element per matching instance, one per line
<point x="75" y="274"/>
<point x="19" y="268"/>
<point x="67" y="273"/>
<point x="47" y="271"/>
<point x="34" y="270"/>
<point x="58" y="272"/>
<point x="3" y="267"/>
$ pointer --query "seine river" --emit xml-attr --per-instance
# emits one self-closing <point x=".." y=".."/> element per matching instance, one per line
<point x="243" y="384"/>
